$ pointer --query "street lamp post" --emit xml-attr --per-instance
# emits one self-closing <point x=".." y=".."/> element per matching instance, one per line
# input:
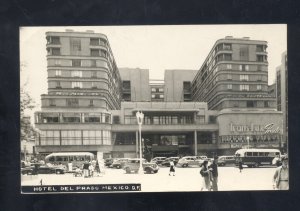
<point x="140" y="117"/>
<point x="248" y="141"/>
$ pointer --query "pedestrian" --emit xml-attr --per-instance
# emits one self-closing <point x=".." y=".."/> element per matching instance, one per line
<point x="281" y="176"/>
<point x="91" y="170"/>
<point x="86" y="169"/>
<point x="172" y="168"/>
<point x="97" y="168"/>
<point x="205" y="173"/>
<point x="240" y="166"/>
<point x="214" y="173"/>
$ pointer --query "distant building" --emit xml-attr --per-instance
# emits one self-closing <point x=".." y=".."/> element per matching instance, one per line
<point x="178" y="84"/>
<point x="282" y="93"/>
<point x="135" y="84"/>
<point x="234" y="75"/>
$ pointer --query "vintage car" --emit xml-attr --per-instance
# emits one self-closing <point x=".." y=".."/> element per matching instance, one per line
<point x="167" y="161"/>
<point x="47" y="169"/>
<point x="189" y="161"/>
<point x="226" y="160"/>
<point x="119" y="163"/>
<point x="158" y="160"/>
<point x="133" y="165"/>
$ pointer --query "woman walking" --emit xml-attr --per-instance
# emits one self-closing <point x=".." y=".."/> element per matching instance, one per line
<point x="172" y="168"/>
<point x="206" y="175"/>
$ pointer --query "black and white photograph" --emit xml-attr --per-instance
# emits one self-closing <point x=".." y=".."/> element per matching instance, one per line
<point x="153" y="108"/>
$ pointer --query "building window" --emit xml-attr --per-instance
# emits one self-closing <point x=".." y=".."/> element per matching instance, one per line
<point x="152" y="96"/>
<point x="94" y="41"/>
<point x="244" y="77"/>
<point x="75" y="45"/>
<point x="53" y="40"/>
<point x="126" y="85"/>
<point x="95" y="52"/>
<point x="103" y="53"/>
<point x="94" y="74"/>
<point x="116" y="119"/>
<point x="93" y="63"/>
<point x="72" y="102"/>
<point x="261" y="58"/>
<point x="228" y="66"/>
<point x="55" y="51"/>
<point x="161" y="96"/>
<point x="243" y="67"/>
<point x="229" y="77"/>
<point x="94" y="85"/>
<point x="244" y="87"/>
<point x="259" y="67"/>
<point x="160" y="89"/>
<point x="77" y="85"/>
<point x="258" y="87"/>
<point x="57" y="62"/>
<point x="153" y="89"/>
<point x="91" y="103"/>
<point x="251" y="104"/>
<point x="227" y="57"/>
<point x="76" y="63"/>
<point x="229" y="86"/>
<point x="227" y="46"/>
<point x="260" y="48"/>
<point x="266" y="104"/>
<point x="58" y="84"/>
<point x="57" y="72"/>
<point x="50" y="137"/>
<point x="76" y="73"/>
<point x="52" y="102"/>
<point x="70" y="137"/>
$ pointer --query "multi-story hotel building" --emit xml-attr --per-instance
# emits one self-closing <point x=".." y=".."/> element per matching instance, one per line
<point x="234" y="75"/>
<point x="282" y="93"/>
<point x="91" y="105"/>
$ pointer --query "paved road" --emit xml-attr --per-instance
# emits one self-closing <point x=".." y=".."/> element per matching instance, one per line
<point x="186" y="179"/>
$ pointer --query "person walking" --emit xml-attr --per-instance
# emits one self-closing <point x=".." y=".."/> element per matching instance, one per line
<point x="97" y="168"/>
<point x="240" y="166"/>
<point x="214" y="173"/>
<point x="281" y="175"/>
<point x="86" y="169"/>
<point x="172" y="168"/>
<point x="206" y="174"/>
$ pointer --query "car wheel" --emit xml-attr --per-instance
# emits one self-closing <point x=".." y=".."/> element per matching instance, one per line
<point x="185" y="165"/>
<point x="148" y="171"/>
<point x="57" y="172"/>
<point x="118" y="166"/>
<point x="127" y="170"/>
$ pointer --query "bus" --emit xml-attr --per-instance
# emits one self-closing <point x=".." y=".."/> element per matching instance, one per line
<point x="64" y="158"/>
<point x="256" y="157"/>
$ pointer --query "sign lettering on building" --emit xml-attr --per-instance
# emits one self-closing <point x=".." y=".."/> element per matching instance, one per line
<point x="264" y="129"/>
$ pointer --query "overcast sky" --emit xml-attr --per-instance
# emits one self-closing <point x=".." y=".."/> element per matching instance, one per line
<point x="149" y="47"/>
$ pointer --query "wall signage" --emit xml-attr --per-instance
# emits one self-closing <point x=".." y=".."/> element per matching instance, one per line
<point x="265" y="129"/>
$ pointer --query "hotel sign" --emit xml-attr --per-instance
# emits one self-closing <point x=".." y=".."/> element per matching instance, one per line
<point x="252" y="128"/>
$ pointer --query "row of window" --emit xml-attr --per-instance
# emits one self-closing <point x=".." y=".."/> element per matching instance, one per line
<point x="74" y="137"/>
<point x="76" y="42"/>
<point x="93" y="52"/>
<point x="245" y="87"/>
<point x="78" y="73"/>
<point x="78" y="63"/>
<point x="79" y="85"/>
<point x="157" y="89"/>
<point x="73" y="118"/>
<point x="166" y="120"/>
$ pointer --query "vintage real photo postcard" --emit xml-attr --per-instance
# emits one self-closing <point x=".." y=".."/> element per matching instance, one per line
<point x="153" y="108"/>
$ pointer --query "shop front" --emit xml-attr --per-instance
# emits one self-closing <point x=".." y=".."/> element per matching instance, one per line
<point x="249" y="129"/>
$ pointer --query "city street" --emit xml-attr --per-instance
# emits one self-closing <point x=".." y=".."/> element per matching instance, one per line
<point x="186" y="179"/>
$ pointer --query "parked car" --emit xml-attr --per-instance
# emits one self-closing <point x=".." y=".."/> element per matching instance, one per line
<point x="226" y="160"/>
<point x="158" y="160"/>
<point x="108" y="161"/>
<point x="47" y="169"/>
<point x="189" y="161"/>
<point x="167" y="161"/>
<point x="133" y="165"/>
<point x="119" y="163"/>
<point x="27" y="170"/>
